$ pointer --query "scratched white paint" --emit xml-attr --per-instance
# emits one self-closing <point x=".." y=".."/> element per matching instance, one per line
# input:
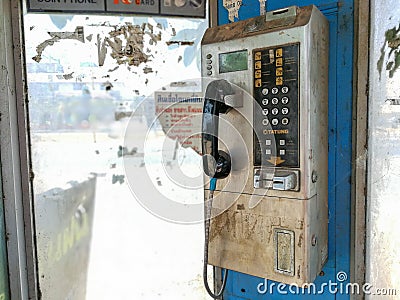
<point x="263" y="4"/>
<point x="232" y="6"/>
<point x="383" y="221"/>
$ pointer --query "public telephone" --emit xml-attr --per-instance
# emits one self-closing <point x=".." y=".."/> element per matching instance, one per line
<point x="265" y="144"/>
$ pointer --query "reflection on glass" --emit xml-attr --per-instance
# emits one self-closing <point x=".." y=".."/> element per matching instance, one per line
<point x="88" y="78"/>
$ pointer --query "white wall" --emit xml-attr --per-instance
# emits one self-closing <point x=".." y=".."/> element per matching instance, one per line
<point x="383" y="210"/>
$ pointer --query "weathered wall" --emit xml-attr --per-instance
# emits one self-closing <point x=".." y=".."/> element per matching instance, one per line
<point x="383" y="222"/>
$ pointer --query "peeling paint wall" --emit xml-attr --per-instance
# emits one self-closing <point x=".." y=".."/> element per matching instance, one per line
<point x="383" y="221"/>
<point x="109" y="57"/>
<point x="120" y="47"/>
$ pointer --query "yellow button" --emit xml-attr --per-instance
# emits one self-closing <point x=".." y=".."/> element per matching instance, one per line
<point x="257" y="65"/>
<point x="279" y="80"/>
<point x="257" y="56"/>
<point x="258" y="74"/>
<point x="279" y="62"/>
<point x="279" y="71"/>
<point x="258" y="83"/>
<point x="279" y="52"/>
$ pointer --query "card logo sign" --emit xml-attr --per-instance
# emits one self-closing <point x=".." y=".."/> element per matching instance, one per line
<point x="178" y="8"/>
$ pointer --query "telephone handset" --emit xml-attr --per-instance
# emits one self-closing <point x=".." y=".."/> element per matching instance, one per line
<point x="216" y="163"/>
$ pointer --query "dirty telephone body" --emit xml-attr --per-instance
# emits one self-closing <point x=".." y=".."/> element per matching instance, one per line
<point x="266" y="93"/>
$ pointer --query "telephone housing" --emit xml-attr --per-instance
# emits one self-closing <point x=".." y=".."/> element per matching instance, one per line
<point x="270" y="214"/>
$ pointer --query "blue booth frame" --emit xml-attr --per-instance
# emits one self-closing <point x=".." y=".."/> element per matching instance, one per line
<point x="332" y="282"/>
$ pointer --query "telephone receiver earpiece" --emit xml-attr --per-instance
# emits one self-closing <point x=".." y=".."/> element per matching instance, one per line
<point x="216" y="163"/>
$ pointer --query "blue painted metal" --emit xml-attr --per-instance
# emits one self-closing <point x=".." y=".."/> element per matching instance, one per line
<point x="340" y="16"/>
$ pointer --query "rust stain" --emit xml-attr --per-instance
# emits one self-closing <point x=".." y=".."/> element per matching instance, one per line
<point x="300" y="224"/>
<point x="299" y="244"/>
<point x="240" y="207"/>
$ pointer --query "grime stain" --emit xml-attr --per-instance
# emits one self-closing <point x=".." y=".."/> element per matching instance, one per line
<point x="392" y="42"/>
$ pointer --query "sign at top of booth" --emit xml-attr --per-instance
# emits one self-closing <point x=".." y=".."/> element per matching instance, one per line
<point x="184" y="8"/>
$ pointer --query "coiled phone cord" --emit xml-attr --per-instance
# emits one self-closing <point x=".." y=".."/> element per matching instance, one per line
<point x="208" y="207"/>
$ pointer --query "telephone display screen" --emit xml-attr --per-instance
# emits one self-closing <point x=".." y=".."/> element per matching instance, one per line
<point x="233" y="61"/>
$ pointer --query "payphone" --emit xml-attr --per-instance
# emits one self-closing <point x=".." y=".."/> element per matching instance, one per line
<point x="265" y="144"/>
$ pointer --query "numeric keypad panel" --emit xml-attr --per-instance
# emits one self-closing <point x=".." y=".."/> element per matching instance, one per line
<point x="276" y="111"/>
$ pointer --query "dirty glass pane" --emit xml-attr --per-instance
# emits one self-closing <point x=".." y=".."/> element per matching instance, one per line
<point x="90" y="78"/>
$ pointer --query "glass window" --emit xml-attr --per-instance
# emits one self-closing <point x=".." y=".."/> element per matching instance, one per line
<point x="91" y="84"/>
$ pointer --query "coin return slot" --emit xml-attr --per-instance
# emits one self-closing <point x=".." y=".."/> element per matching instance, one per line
<point x="284" y="182"/>
<point x="280" y="12"/>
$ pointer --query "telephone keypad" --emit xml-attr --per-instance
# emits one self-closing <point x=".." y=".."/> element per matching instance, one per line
<point x="276" y="118"/>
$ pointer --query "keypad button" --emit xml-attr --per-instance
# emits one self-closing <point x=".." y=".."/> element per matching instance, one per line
<point x="265" y="91"/>
<point x="265" y="101"/>
<point x="275" y="122"/>
<point x="285" y="100"/>
<point x="282" y="142"/>
<point x="285" y="110"/>
<point x="282" y="152"/>
<point x="274" y="101"/>
<point x="285" y="89"/>
<point x="268" y="151"/>
<point x="285" y="121"/>
<point x="275" y="91"/>
<point x="265" y="122"/>
<point x="275" y="111"/>
<point x="209" y="67"/>
<point x="209" y="61"/>
<point x="265" y="112"/>
<point x="209" y="73"/>
<point x="268" y="142"/>
<point x="209" y="56"/>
